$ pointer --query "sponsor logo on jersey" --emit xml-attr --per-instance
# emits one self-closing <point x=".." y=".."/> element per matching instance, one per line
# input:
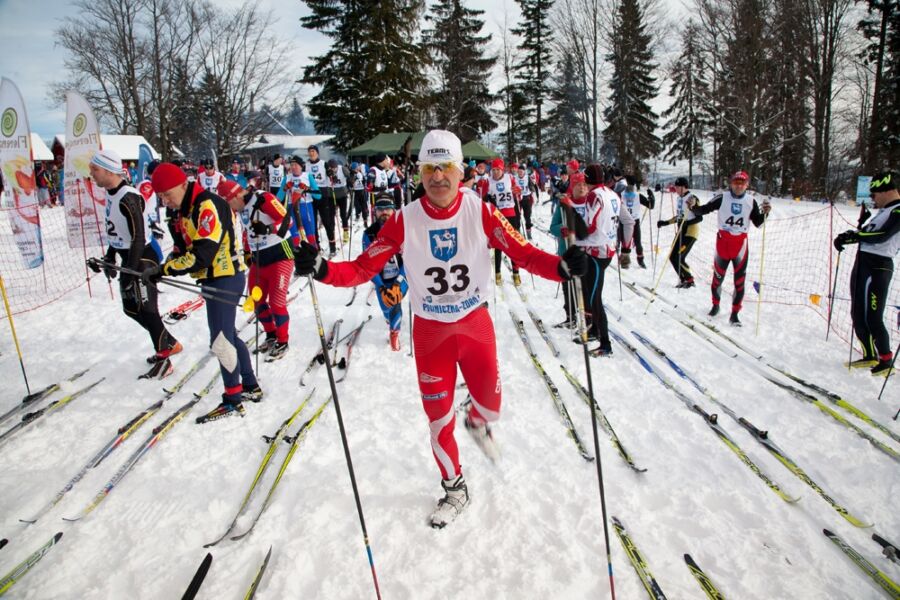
<point x="501" y="239"/>
<point x="438" y="396"/>
<point x="510" y="230"/>
<point x="443" y="243"/>
<point x="377" y="248"/>
<point x="207" y="223"/>
<point x="736" y="208"/>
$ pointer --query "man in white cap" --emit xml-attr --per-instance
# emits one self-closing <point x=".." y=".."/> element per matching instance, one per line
<point x="445" y="238"/>
<point x="127" y="234"/>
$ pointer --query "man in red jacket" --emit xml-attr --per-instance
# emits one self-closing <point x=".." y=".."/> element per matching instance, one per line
<point x="445" y="239"/>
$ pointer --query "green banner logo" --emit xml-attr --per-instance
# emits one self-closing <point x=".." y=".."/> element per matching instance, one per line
<point x="79" y="124"/>
<point x="9" y="122"/>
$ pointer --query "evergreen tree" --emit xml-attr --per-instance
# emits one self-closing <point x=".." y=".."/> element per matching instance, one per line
<point x="688" y="117"/>
<point x="882" y="28"/>
<point x="631" y="120"/>
<point x="514" y="112"/>
<point x="371" y="77"/>
<point x="461" y="98"/>
<point x="566" y="124"/>
<point x="535" y="64"/>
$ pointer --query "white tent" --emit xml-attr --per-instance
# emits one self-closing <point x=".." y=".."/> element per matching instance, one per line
<point x="125" y="146"/>
<point x="39" y="149"/>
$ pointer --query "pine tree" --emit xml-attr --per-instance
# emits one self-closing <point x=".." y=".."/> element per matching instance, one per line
<point x="371" y="77"/>
<point x="631" y="120"/>
<point x="461" y="98"/>
<point x="689" y="119"/>
<point x="565" y="136"/>
<point x="882" y="28"/>
<point x="535" y="64"/>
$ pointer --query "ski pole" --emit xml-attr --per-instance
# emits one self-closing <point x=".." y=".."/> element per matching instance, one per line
<point x="662" y="270"/>
<point x="12" y="328"/>
<point x="340" y="419"/>
<point x="890" y="371"/>
<point x="619" y="273"/>
<point x="582" y="329"/>
<point x="207" y="292"/>
<point x="837" y="266"/>
<point x="762" y="262"/>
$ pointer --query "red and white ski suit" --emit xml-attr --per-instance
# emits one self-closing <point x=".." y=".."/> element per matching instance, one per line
<point x="446" y="254"/>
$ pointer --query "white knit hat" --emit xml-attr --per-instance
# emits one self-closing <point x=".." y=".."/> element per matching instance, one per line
<point x="109" y="160"/>
<point x="439" y="146"/>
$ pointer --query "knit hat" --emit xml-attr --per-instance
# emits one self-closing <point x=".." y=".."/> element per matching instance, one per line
<point x="576" y="178"/>
<point x="108" y="160"/>
<point x="228" y="189"/>
<point x="377" y="159"/>
<point x="740" y="176"/>
<point x="497" y="163"/>
<point x="384" y="202"/>
<point x="681" y="182"/>
<point x="885" y="182"/>
<point x="573" y="165"/>
<point x="593" y="174"/>
<point x="167" y="176"/>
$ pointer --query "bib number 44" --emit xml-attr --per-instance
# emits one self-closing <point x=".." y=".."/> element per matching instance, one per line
<point x="739" y="222"/>
<point x="440" y="284"/>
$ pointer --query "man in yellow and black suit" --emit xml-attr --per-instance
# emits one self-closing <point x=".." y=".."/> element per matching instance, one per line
<point x="205" y="247"/>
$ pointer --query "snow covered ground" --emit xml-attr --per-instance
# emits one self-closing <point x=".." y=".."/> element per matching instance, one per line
<point x="534" y="527"/>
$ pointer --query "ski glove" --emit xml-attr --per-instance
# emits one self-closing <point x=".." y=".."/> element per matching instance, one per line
<point x="574" y="263"/>
<point x="151" y="275"/>
<point x="848" y="237"/>
<point x="391" y="295"/>
<point x="661" y="224"/>
<point x="260" y="228"/>
<point x="308" y="262"/>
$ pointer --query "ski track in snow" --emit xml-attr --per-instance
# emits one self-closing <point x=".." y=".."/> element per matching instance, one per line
<point x="533" y="529"/>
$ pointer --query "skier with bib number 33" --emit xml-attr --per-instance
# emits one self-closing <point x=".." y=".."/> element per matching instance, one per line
<point x="445" y="238"/>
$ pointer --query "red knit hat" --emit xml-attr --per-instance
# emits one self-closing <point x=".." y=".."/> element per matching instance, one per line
<point x="228" y="189"/>
<point x="573" y="164"/>
<point x="740" y="176"/>
<point x="497" y="163"/>
<point x="576" y="178"/>
<point x="167" y="176"/>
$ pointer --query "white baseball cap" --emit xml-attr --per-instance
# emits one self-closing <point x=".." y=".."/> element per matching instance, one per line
<point x="109" y="160"/>
<point x="440" y="146"/>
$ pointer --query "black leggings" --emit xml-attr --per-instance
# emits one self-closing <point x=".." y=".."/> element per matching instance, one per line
<point x="870" y="281"/>
<point x="361" y="204"/>
<point x="340" y="198"/>
<point x="325" y="210"/>
<point x="592" y="290"/>
<point x="678" y="258"/>
<point x="498" y="255"/>
<point x="146" y="312"/>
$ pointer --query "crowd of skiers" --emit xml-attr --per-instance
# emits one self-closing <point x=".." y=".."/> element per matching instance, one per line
<point x="433" y="225"/>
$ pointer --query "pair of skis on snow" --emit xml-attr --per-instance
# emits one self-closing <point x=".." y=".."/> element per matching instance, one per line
<point x="274" y="442"/>
<point x="191" y="592"/>
<point x="332" y="342"/>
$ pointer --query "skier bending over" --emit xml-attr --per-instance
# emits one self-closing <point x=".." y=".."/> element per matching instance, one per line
<point x="445" y="238"/>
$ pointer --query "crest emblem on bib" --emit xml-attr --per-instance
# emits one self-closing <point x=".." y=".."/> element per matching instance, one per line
<point x="501" y="187"/>
<point x="736" y="208"/>
<point x="443" y="243"/>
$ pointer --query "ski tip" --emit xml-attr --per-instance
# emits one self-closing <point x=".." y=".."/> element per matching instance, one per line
<point x="71" y="519"/>
<point x="828" y="533"/>
<point x="27" y="522"/>
<point x="57" y="537"/>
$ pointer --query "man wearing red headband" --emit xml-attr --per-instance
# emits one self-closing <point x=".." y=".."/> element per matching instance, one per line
<point x="445" y="239"/>
<point x="737" y="210"/>
<point x="270" y="255"/>
<point x="206" y="249"/>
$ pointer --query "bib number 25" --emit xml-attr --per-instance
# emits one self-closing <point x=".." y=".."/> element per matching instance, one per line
<point x="440" y="284"/>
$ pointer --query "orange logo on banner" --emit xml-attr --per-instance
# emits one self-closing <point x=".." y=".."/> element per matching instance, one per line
<point x="207" y="223"/>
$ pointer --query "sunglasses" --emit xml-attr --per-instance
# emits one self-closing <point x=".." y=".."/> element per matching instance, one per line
<point x="428" y="169"/>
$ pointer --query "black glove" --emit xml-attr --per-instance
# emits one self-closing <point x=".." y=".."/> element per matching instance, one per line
<point x="308" y="262"/>
<point x="848" y="237"/>
<point x="151" y="275"/>
<point x="260" y="228"/>
<point x="574" y="263"/>
<point x="94" y="264"/>
<point x="661" y="224"/>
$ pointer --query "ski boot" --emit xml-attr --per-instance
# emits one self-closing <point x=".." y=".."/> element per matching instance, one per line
<point x="862" y="363"/>
<point x="883" y="368"/>
<point x="164" y="354"/>
<point x="395" y="340"/>
<point x="733" y="320"/>
<point x="253" y="393"/>
<point x="498" y="278"/>
<point x="640" y="261"/>
<point x="230" y="407"/>
<point x="517" y="281"/>
<point x="714" y="310"/>
<point x="266" y="346"/>
<point x="456" y="498"/>
<point x="279" y="349"/>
